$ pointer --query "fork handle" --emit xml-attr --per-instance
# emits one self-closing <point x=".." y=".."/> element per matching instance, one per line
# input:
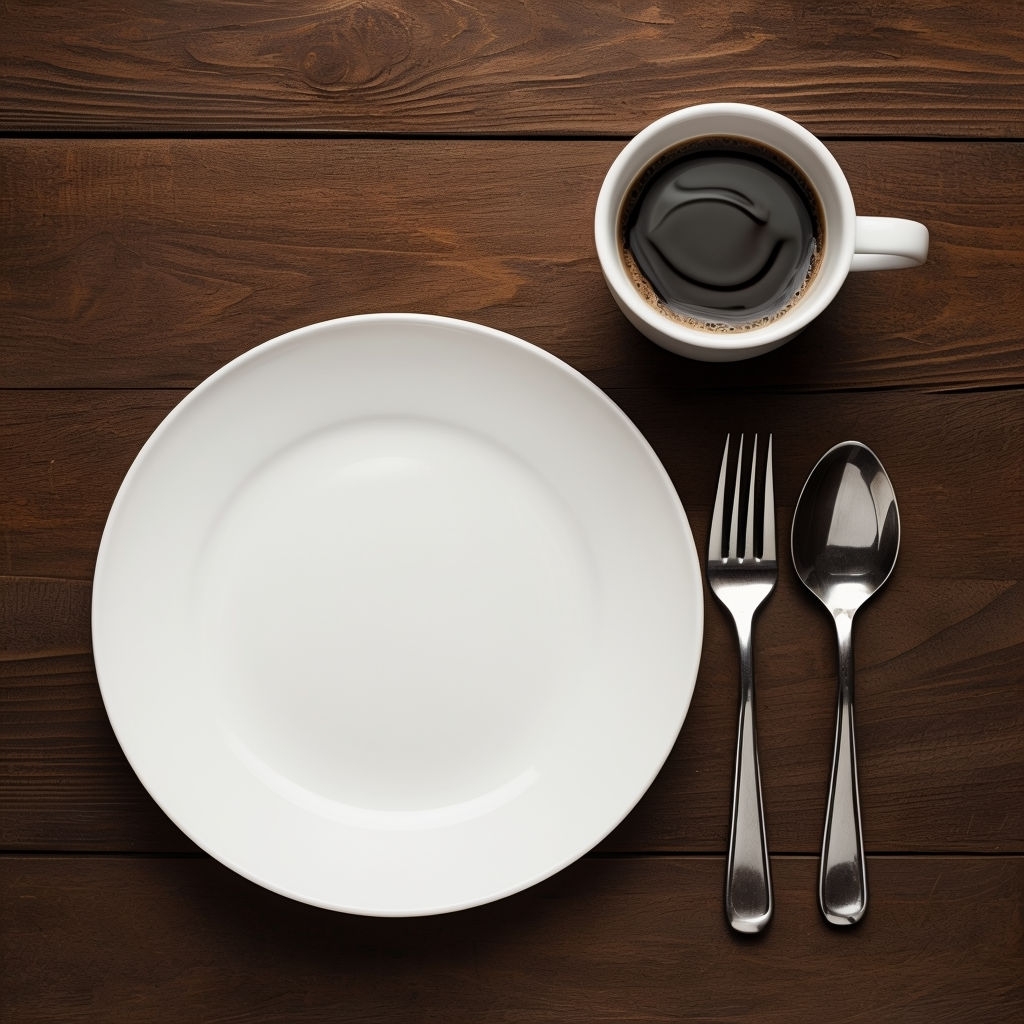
<point x="748" y="884"/>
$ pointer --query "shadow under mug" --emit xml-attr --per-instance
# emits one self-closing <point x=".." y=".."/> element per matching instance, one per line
<point x="851" y="242"/>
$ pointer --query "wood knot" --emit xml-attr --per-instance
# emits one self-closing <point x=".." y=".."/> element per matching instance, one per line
<point x="359" y="46"/>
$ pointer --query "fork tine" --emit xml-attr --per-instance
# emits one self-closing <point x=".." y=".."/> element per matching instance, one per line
<point x="734" y="526"/>
<point x="717" y="515"/>
<point x="768" y="532"/>
<point x="748" y="547"/>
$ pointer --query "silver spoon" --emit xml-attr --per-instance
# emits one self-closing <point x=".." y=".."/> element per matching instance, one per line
<point x="846" y="534"/>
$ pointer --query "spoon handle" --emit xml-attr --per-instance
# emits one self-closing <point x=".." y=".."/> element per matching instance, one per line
<point x="843" y="883"/>
<point x="748" y="884"/>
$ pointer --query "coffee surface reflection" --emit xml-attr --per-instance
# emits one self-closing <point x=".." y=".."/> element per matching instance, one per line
<point x="722" y="234"/>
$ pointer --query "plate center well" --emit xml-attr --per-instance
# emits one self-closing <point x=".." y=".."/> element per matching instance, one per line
<point x="395" y="615"/>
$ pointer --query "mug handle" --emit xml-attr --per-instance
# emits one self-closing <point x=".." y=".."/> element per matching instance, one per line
<point x="888" y="243"/>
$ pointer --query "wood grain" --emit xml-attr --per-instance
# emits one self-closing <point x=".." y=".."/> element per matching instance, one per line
<point x="484" y="66"/>
<point x="940" y="721"/>
<point x="130" y="263"/>
<point x="956" y="460"/>
<point x="96" y="939"/>
<point x="180" y="182"/>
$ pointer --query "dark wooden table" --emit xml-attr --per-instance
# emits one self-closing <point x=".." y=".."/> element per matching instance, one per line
<point x="180" y="182"/>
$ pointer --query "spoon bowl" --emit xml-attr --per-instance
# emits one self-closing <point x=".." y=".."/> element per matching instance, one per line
<point x="846" y="527"/>
<point x="846" y="536"/>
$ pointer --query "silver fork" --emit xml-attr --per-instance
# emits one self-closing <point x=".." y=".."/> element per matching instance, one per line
<point x="742" y="578"/>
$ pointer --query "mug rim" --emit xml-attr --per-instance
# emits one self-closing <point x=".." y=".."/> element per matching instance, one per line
<point x="766" y="127"/>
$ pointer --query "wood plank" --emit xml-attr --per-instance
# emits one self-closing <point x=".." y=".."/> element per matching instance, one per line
<point x="606" y="940"/>
<point x="940" y="721"/>
<point x="940" y="739"/>
<point x="63" y="457"/>
<point x="955" y="459"/>
<point x="867" y="68"/>
<point x="153" y="262"/>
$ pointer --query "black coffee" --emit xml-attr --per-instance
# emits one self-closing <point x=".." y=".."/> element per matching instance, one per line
<point x="722" y="234"/>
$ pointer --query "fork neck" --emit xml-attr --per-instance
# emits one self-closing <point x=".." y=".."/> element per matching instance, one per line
<point x="743" y="622"/>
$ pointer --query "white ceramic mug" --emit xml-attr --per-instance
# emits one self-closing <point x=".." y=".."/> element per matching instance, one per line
<point x="851" y="242"/>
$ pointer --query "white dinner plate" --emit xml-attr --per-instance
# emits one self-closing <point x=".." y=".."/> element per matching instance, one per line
<point x="397" y="614"/>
